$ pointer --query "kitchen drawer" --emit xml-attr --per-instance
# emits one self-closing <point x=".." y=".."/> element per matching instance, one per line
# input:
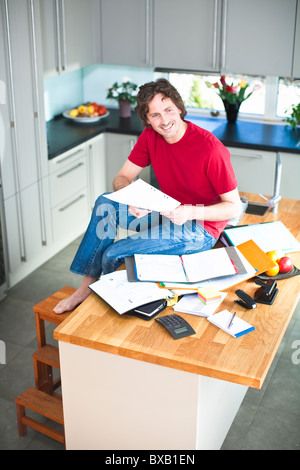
<point x="68" y="180"/>
<point x="66" y="158"/>
<point x="71" y="216"/>
<point x="254" y="170"/>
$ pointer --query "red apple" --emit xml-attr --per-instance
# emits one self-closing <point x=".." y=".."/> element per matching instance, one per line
<point x="285" y="264"/>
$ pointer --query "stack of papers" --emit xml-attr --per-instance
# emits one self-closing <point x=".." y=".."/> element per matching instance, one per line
<point x="124" y="296"/>
<point x="268" y="236"/>
<point x="191" y="304"/>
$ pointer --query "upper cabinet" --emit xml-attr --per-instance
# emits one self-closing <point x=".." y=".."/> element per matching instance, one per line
<point x="186" y="35"/>
<point x="125" y="32"/>
<point x="70" y="31"/>
<point x="232" y="36"/>
<point x="258" y="37"/>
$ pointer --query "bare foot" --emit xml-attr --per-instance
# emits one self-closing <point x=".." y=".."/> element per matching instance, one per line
<point x="76" y="298"/>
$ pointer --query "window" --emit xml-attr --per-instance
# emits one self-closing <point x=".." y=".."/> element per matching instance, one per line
<point x="288" y="95"/>
<point x="271" y="98"/>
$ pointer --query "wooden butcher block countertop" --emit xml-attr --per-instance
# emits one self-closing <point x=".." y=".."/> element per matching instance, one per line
<point x="210" y="352"/>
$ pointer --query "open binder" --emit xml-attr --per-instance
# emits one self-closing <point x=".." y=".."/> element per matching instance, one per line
<point x="190" y="268"/>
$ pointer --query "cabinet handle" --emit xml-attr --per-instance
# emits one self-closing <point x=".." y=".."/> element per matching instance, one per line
<point x="214" y="49"/>
<point x="147" y="31"/>
<point x="258" y="156"/>
<point x="14" y="138"/>
<point x="224" y="36"/>
<point x="71" y="155"/>
<point x="58" y="35"/>
<point x="69" y="170"/>
<point x="63" y="37"/>
<point x="37" y="125"/>
<point x="62" y="209"/>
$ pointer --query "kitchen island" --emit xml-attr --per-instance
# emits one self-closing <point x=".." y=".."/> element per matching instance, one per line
<point x="128" y="385"/>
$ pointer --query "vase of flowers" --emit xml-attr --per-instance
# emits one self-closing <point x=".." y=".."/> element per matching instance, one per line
<point x="232" y="96"/>
<point x="125" y="94"/>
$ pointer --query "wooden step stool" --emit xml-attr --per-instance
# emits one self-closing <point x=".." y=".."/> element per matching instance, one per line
<point x="42" y="399"/>
<point x="44" y="404"/>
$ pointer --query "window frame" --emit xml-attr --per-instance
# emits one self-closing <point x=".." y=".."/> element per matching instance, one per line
<point x="269" y="116"/>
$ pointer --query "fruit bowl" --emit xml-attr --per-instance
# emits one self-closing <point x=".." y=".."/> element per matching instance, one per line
<point x="85" y="119"/>
<point x="87" y="113"/>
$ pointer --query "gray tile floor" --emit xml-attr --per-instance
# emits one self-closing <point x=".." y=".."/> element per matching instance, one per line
<point x="268" y="418"/>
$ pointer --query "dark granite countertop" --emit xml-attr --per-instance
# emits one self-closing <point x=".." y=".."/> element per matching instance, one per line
<point x="64" y="134"/>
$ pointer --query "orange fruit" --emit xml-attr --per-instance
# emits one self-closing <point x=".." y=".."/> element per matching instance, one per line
<point x="273" y="271"/>
<point x="275" y="255"/>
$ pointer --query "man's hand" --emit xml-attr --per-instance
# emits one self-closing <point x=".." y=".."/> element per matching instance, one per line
<point x="137" y="212"/>
<point x="180" y="215"/>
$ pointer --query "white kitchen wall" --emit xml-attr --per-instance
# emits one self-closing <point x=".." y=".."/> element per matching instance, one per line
<point x="98" y="78"/>
<point x="62" y="92"/>
<point x="68" y="90"/>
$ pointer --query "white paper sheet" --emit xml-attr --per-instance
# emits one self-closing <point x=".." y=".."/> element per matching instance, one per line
<point x="123" y="295"/>
<point x="145" y="196"/>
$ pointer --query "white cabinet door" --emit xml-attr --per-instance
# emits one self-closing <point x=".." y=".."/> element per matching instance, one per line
<point x="254" y="170"/>
<point x="24" y="244"/>
<point x="259" y="37"/>
<point x="118" y="148"/>
<point x="125" y="32"/>
<point x="70" y="37"/>
<point x="186" y="34"/>
<point x="97" y="168"/>
<point x="290" y="176"/>
<point x="26" y="100"/>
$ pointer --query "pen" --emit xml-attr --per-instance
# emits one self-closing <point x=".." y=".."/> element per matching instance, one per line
<point x="231" y="320"/>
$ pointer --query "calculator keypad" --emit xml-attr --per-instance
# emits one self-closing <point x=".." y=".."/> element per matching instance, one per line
<point x="176" y="325"/>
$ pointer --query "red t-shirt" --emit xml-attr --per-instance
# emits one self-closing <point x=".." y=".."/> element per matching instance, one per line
<point x="194" y="170"/>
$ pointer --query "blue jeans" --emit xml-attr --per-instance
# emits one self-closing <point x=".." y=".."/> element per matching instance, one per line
<point x="154" y="234"/>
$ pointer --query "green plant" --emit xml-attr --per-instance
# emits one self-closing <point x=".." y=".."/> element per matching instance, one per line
<point x="294" y="118"/>
<point x="126" y="91"/>
<point x="196" y="99"/>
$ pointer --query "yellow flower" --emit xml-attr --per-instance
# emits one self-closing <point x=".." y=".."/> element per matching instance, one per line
<point x="243" y="84"/>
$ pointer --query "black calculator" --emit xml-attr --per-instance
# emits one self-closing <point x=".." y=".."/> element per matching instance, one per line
<point x="176" y="325"/>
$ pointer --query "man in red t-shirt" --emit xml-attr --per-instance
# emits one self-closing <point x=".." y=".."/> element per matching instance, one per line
<point x="190" y="165"/>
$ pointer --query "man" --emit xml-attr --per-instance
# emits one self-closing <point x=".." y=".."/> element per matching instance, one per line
<point x="190" y="164"/>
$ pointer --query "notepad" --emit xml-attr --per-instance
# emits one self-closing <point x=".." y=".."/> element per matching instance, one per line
<point x="209" y="295"/>
<point x="238" y="327"/>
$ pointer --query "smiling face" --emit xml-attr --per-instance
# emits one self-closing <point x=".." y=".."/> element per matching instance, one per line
<point x="164" y="118"/>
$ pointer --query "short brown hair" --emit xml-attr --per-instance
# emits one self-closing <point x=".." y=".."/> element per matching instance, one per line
<point x="149" y="90"/>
